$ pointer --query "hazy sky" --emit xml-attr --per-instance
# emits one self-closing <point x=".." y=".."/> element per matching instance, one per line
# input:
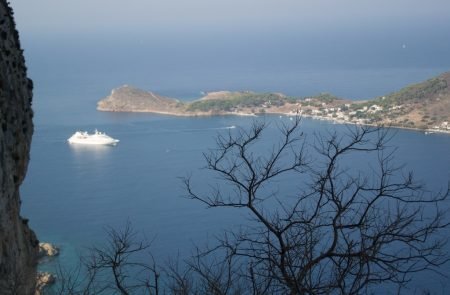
<point x="239" y="34"/>
<point x="51" y="16"/>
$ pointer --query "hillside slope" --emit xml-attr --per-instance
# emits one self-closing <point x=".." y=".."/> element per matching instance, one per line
<point x="423" y="105"/>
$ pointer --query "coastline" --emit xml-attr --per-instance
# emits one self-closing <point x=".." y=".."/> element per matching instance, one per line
<point x="184" y="114"/>
<point x="342" y="122"/>
<point x="281" y="113"/>
<point x="423" y="106"/>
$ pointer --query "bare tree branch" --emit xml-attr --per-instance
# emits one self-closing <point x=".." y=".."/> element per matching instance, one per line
<point x="346" y="231"/>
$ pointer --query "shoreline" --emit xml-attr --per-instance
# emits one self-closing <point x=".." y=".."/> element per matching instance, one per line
<point x="245" y="114"/>
<point x="422" y="106"/>
<point x="426" y="131"/>
<point x="185" y="114"/>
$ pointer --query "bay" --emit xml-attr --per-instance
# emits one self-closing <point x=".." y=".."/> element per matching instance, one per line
<point x="72" y="193"/>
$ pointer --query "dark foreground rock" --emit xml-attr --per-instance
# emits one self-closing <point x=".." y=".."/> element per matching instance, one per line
<point x="18" y="243"/>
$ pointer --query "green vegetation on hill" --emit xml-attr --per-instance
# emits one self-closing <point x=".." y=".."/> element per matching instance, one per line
<point x="415" y="93"/>
<point x="325" y="97"/>
<point x="237" y="100"/>
<point x="318" y="100"/>
<point x="210" y="105"/>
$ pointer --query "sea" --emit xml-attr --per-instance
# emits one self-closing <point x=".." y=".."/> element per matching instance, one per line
<point x="72" y="194"/>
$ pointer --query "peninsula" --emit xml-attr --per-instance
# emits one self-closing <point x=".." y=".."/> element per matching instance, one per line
<point x="424" y="105"/>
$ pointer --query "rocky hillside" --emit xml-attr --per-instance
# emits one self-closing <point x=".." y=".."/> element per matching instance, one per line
<point x="18" y="244"/>
<point x="424" y="105"/>
<point x="130" y="99"/>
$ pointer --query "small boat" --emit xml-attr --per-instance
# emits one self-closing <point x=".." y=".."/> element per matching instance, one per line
<point x="98" y="138"/>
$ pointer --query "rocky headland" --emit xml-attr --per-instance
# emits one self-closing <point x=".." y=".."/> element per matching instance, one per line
<point x="424" y="105"/>
<point x="130" y="99"/>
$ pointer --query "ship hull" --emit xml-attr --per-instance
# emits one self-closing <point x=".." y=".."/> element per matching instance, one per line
<point x="97" y="138"/>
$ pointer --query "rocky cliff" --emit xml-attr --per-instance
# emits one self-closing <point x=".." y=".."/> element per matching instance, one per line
<point x="18" y="244"/>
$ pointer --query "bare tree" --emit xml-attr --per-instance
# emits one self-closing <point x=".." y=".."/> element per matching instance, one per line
<point x="123" y="265"/>
<point x="345" y="231"/>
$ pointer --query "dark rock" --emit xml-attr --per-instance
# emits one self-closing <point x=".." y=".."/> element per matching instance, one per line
<point x="18" y="243"/>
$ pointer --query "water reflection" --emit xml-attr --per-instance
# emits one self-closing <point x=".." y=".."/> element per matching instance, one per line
<point x="92" y="152"/>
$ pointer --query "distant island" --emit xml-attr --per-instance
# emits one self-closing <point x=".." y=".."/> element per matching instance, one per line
<point x="424" y="106"/>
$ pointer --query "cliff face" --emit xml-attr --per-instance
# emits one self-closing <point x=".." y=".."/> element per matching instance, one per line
<point x="18" y="244"/>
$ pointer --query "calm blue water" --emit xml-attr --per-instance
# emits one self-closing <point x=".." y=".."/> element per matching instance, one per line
<point x="71" y="193"/>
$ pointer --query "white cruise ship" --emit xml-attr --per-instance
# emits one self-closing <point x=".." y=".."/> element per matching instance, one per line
<point x="98" y="138"/>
